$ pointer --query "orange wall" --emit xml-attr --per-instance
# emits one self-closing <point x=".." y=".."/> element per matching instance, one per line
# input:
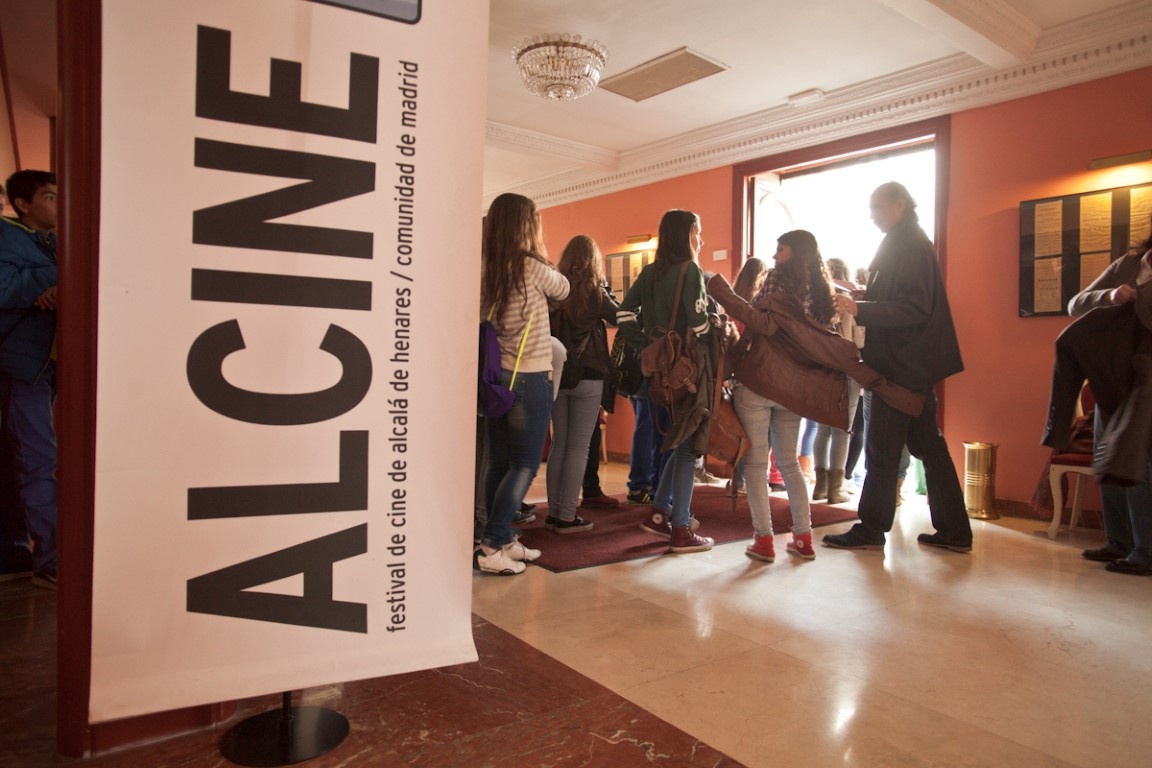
<point x="610" y="219"/>
<point x="29" y="47"/>
<point x="1022" y="150"/>
<point x="1030" y="148"/>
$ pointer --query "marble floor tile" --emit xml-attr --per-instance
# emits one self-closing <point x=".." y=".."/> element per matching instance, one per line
<point x="627" y="643"/>
<point x="767" y="708"/>
<point x="1018" y="654"/>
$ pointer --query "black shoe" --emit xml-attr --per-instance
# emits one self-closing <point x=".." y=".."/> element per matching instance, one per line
<point x="776" y="487"/>
<point x="639" y="497"/>
<point x="855" y="538"/>
<point x="934" y="540"/>
<point x="523" y="518"/>
<point x="526" y="507"/>
<point x="1102" y="555"/>
<point x="575" y="525"/>
<point x="1124" y="565"/>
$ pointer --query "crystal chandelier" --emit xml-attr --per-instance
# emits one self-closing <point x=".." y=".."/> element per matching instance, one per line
<point x="560" y="66"/>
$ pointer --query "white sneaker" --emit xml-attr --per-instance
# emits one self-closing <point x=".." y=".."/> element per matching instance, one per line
<point x="498" y="561"/>
<point x="518" y="551"/>
<point x="706" y="477"/>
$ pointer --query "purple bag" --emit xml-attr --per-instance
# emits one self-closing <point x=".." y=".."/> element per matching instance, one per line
<point x="493" y="399"/>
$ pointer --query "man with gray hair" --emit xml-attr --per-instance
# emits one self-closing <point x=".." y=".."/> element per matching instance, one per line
<point x="910" y="339"/>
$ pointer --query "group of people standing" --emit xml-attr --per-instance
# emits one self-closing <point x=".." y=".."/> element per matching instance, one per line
<point x="795" y="356"/>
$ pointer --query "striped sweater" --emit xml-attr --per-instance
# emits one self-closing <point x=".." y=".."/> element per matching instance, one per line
<point x="543" y="282"/>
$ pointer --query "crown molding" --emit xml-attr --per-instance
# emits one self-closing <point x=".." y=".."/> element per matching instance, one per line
<point x="1081" y="51"/>
<point x="519" y="140"/>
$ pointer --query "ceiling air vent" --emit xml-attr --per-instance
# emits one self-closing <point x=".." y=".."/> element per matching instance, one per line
<point x="661" y="74"/>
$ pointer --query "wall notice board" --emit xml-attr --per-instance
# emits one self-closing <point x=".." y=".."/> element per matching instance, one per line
<point x="623" y="268"/>
<point x="1066" y="242"/>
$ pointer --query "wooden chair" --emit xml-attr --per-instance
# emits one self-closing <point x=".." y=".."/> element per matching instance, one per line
<point x="1077" y="465"/>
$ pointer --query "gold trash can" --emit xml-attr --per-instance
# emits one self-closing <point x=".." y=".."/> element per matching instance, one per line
<point x="980" y="480"/>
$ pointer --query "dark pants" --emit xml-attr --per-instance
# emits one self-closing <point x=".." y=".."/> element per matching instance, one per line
<point x="856" y="440"/>
<point x="888" y="431"/>
<point x="13" y="530"/>
<point x="591" y="484"/>
<point x="652" y="423"/>
<point x="27" y="418"/>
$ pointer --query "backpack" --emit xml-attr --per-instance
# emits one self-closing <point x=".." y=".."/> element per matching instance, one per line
<point x="669" y="361"/>
<point x="493" y="399"/>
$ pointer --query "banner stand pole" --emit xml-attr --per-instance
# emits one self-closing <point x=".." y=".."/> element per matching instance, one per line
<point x="290" y="735"/>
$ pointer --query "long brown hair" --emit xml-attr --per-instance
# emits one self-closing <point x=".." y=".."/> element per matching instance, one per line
<point x="674" y="247"/>
<point x="511" y="235"/>
<point x="750" y="279"/>
<point x="583" y="265"/>
<point x="805" y="273"/>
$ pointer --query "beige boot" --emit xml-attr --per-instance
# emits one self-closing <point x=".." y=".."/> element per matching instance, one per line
<point x="820" y="491"/>
<point x="835" y="482"/>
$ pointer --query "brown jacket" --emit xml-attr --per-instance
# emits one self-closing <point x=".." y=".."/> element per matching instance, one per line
<point x="790" y="359"/>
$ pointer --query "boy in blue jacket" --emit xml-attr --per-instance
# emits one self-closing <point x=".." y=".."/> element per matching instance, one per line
<point x="28" y="357"/>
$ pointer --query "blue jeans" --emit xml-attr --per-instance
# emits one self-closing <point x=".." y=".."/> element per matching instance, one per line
<point x="806" y="438"/>
<point x="647" y="461"/>
<point x="830" y="449"/>
<point x="27" y="418"/>
<point x="770" y="425"/>
<point x="1128" y="518"/>
<point x="678" y="478"/>
<point x="514" y="445"/>
<point x="574" y="419"/>
<point x="888" y="432"/>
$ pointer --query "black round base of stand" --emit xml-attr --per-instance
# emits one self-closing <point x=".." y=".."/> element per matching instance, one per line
<point x="285" y="736"/>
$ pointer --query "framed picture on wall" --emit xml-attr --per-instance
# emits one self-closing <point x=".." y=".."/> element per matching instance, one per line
<point x="1067" y="241"/>
<point x="623" y="268"/>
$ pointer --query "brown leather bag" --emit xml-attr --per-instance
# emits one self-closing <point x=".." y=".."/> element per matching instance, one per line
<point x="669" y="360"/>
<point x="727" y="440"/>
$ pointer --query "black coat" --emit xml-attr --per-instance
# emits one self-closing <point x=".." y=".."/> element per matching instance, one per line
<point x="909" y="336"/>
<point x="1111" y="348"/>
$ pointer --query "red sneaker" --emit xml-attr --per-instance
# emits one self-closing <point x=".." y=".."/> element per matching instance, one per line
<point x="762" y="548"/>
<point x="684" y="540"/>
<point x="801" y="546"/>
<point x="658" y="523"/>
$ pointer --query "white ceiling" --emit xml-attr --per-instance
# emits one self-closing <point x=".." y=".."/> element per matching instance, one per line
<point x="879" y="62"/>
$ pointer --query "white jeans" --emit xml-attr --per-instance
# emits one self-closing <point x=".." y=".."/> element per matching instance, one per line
<point x="771" y="425"/>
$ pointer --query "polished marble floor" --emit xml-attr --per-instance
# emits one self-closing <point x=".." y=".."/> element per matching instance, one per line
<point x="1020" y="654"/>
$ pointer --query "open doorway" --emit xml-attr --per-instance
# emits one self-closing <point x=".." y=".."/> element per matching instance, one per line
<point x="825" y="190"/>
<point x="830" y="200"/>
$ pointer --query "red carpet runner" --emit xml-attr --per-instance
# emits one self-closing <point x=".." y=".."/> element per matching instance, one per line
<point x="616" y="535"/>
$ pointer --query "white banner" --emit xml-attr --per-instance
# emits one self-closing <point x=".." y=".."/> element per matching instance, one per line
<point x="289" y="272"/>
